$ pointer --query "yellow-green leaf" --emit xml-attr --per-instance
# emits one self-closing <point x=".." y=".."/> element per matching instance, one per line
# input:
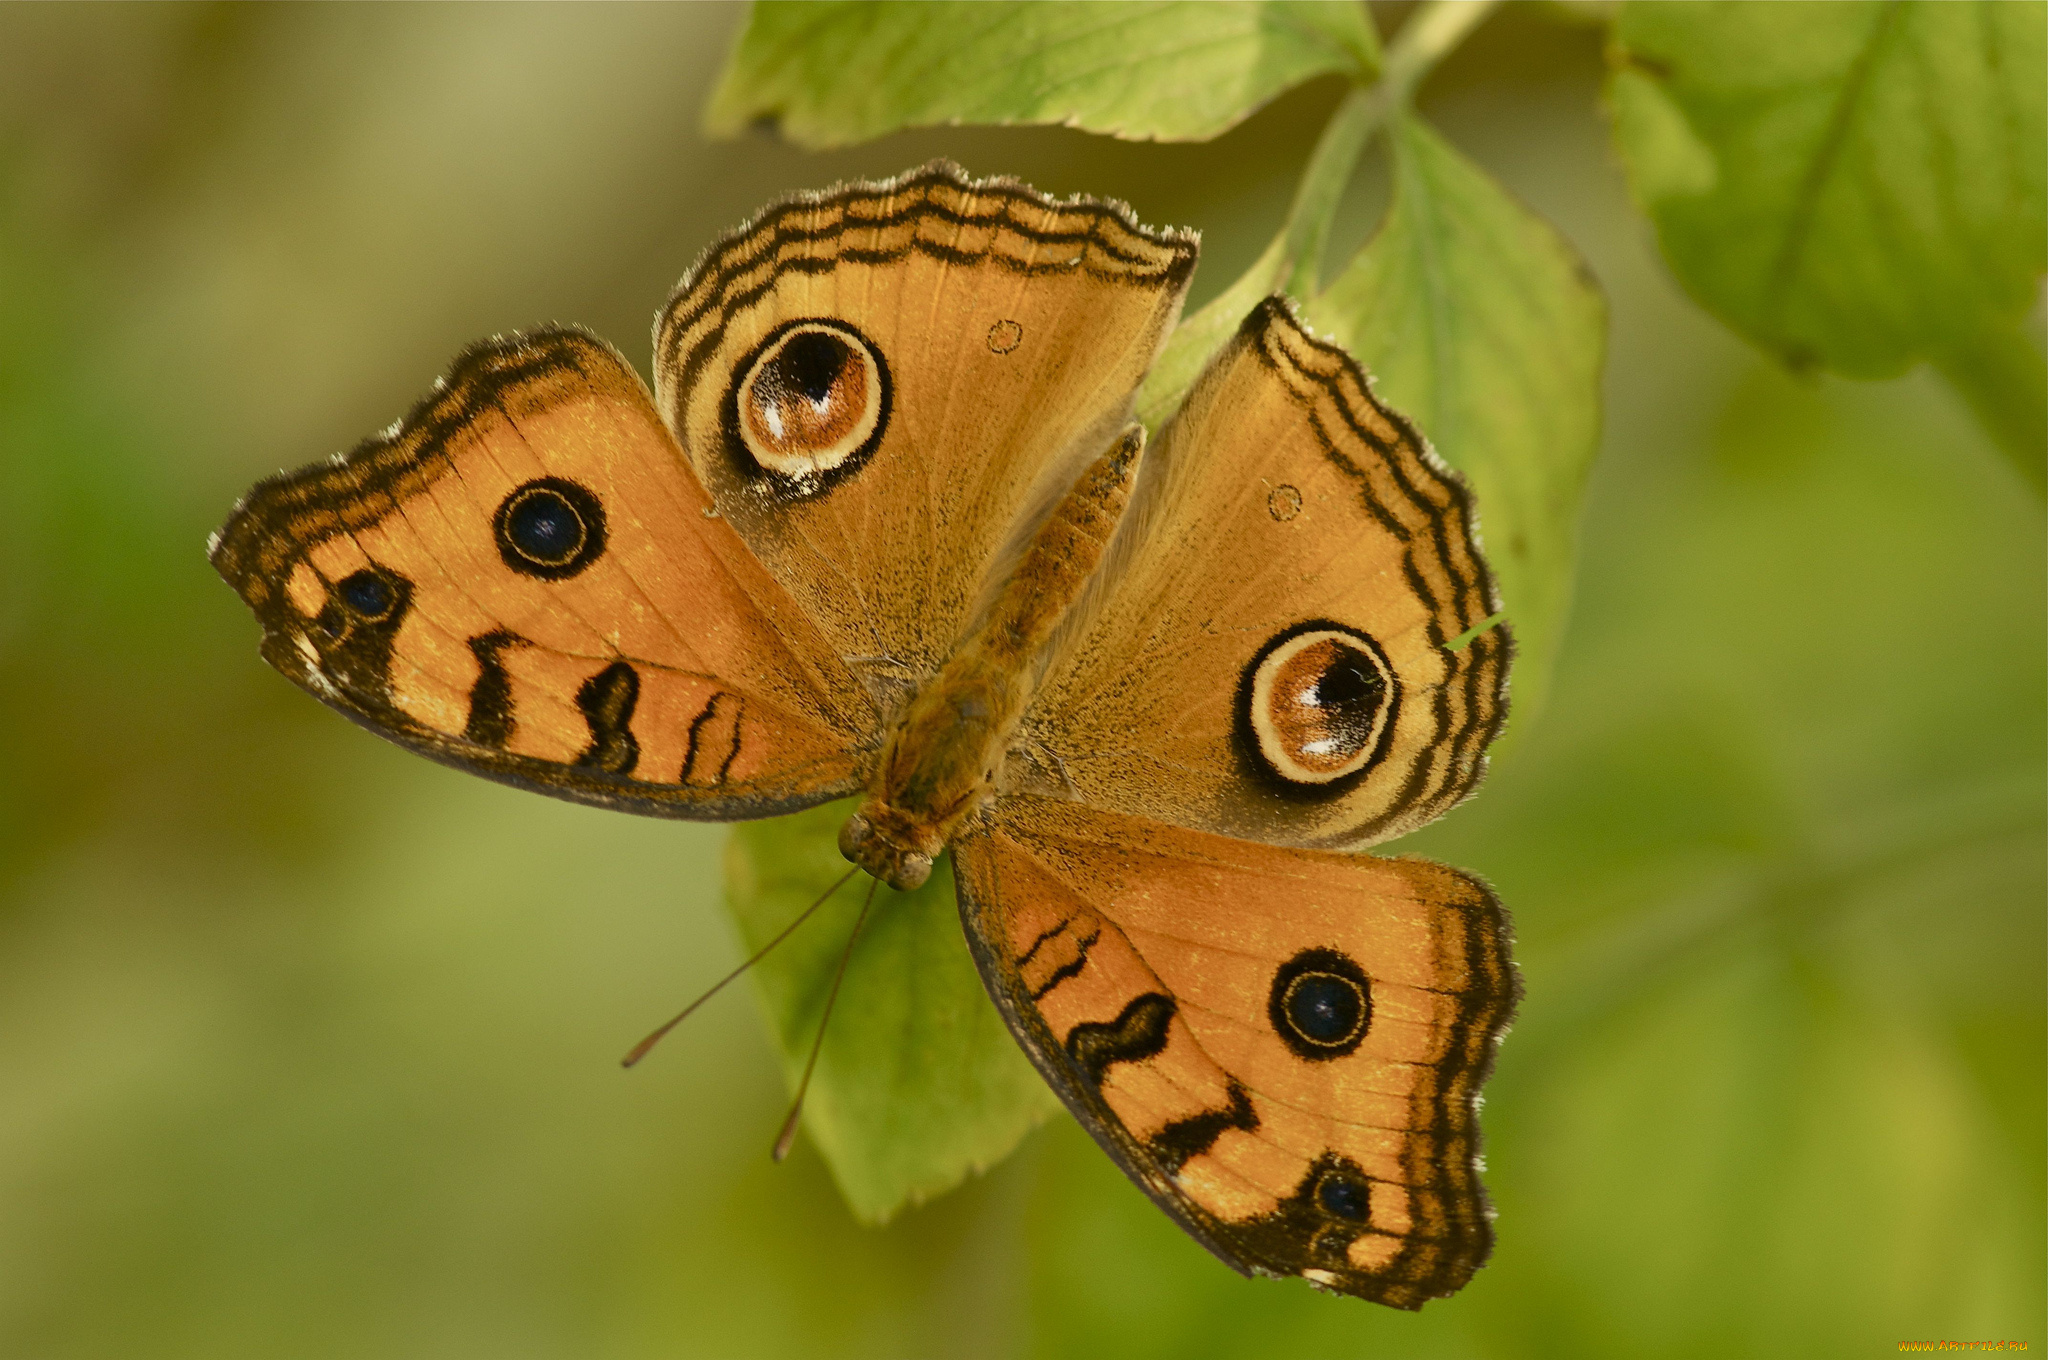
<point x="1480" y="323"/>
<point x="919" y="1083"/>
<point x="836" y="73"/>
<point x="1862" y="185"/>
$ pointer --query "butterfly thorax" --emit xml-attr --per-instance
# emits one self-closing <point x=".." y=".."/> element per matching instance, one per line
<point x="944" y="751"/>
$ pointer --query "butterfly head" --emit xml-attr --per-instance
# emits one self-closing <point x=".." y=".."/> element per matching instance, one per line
<point x="889" y="845"/>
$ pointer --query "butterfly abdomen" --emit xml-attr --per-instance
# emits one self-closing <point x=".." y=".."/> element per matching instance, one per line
<point x="941" y="759"/>
<point x="1061" y="556"/>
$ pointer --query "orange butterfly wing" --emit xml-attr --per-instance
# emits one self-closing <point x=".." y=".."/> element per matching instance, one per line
<point x="1282" y="1047"/>
<point x="988" y="340"/>
<point x="1265" y="652"/>
<point x="523" y="578"/>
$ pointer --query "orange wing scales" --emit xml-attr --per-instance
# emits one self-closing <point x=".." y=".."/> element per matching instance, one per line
<point x="1295" y="689"/>
<point x="1446" y="572"/>
<point x="522" y="578"/>
<point x="1151" y="987"/>
<point x="986" y="341"/>
<point x="935" y="212"/>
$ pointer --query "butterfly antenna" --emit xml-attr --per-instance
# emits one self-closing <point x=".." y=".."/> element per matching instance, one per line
<point x="787" y="1138"/>
<point x="640" y="1049"/>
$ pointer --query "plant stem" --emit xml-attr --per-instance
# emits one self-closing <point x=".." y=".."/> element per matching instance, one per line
<point x="1434" y="31"/>
<point x="1314" y="210"/>
<point x="1432" y="34"/>
<point x="1293" y="262"/>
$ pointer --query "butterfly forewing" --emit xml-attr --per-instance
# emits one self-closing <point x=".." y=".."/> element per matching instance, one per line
<point x="1281" y="1046"/>
<point x="881" y="385"/>
<point x="1266" y="653"/>
<point x="524" y="578"/>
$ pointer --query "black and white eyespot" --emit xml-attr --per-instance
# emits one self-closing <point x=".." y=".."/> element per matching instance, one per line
<point x="1320" y="1004"/>
<point x="551" y="528"/>
<point x="807" y="407"/>
<point x="1316" y="708"/>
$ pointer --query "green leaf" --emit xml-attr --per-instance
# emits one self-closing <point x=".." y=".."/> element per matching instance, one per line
<point x="919" y="1083"/>
<point x="838" y="73"/>
<point x="1999" y="373"/>
<point x="1291" y="263"/>
<point x="1479" y="322"/>
<point x="1199" y="336"/>
<point x="1861" y="185"/>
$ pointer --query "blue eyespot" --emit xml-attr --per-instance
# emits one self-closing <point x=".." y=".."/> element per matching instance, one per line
<point x="1344" y="1197"/>
<point x="1321" y="1004"/>
<point x="551" y="528"/>
<point x="1325" y="1009"/>
<point x="544" y="527"/>
<point x="367" y="595"/>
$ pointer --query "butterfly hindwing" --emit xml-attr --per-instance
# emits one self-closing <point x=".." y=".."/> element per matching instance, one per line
<point x="1266" y="654"/>
<point x="1281" y="1046"/>
<point x="523" y="578"/>
<point x="882" y="383"/>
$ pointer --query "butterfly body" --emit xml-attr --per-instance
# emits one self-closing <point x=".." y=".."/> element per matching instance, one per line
<point x="883" y="527"/>
<point x="942" y="759"/>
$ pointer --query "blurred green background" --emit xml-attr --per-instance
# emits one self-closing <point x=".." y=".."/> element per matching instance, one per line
<point x="308" y="1047"/>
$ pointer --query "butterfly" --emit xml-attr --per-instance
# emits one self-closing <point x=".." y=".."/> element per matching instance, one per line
<point x="885" y="527"/>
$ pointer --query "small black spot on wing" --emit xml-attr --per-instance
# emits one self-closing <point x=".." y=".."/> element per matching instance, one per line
<point x="356" y="629"/>
<point x="1348" y="1197"/>
<point x="367" y="595"/>
<point x="550" y="528"/>
<point x="1313" y="1229"/>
